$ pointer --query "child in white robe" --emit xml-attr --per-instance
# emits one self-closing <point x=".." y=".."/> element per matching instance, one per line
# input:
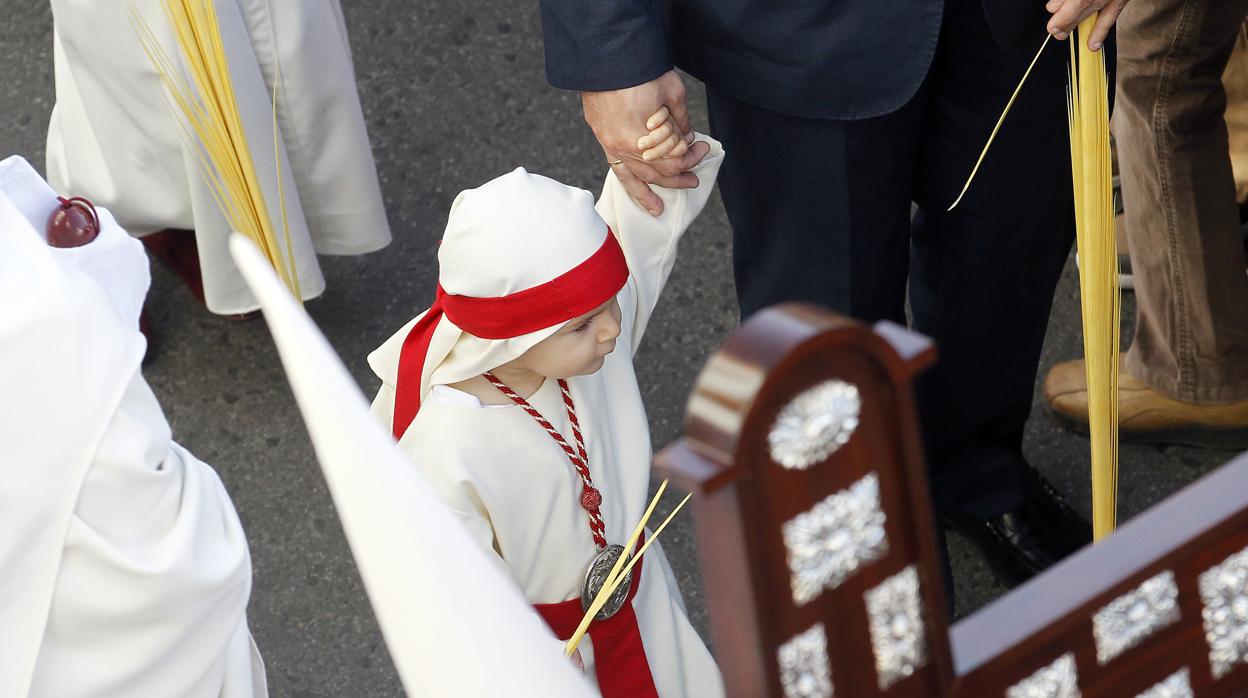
<point x="123" y="566"/>
<point x="538" y="290"/>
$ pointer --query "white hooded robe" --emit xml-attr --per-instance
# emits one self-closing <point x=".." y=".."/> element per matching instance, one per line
<point x="125" y="569"/>
<point x="511" y="484"/>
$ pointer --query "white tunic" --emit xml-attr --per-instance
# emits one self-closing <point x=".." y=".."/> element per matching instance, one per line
<point x="125" y="569"/>
<point x="151" y="594"/>
<point x="113" y="137"/>
<point x="516" y="492"/>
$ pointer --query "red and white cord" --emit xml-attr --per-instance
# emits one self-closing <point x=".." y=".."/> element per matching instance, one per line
<point x="591" y="498"/>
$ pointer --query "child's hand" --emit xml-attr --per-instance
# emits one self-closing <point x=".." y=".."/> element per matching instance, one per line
<point x="577" y="661"/>
<point x="665" y="139"/>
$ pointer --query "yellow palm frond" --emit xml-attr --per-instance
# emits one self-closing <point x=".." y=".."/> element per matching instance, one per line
<point x="201" y="90"/>
<point x="1100" y="298"/>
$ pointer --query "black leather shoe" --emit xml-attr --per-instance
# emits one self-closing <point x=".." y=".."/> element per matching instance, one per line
<point x="1054" y="517"/>
<point x="1009" y="542"/>
<point x="1021" y="543"/>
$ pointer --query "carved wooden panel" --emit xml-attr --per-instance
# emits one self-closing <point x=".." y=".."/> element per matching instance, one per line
<point x="817" y="545"/>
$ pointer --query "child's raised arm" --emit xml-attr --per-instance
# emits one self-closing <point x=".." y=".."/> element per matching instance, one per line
<point x="649" y="242"/>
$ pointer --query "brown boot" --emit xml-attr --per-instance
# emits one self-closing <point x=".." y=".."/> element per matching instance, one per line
<point x="1145" y="415"/>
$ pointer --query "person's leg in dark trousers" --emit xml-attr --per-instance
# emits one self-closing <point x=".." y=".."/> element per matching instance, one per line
<point x="820" y="213"/>
<point x="819" y="209"/>
<point x="983" y="275"/>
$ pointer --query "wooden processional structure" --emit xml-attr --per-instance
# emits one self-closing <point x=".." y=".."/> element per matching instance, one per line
<point x="815" y="536"/>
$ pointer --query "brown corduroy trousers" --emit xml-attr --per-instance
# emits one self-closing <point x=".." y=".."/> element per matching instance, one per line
<point x="1179" y="196"/>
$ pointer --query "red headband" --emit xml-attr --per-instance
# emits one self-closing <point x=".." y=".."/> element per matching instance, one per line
<point x="572" y="294"/>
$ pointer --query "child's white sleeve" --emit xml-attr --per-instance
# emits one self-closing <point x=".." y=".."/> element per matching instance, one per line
<point x="649" y="242"/>
<point x="477" y="524"/>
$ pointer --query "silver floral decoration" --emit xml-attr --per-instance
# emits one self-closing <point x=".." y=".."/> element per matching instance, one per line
<point x="898" y="639"/>
<point x="1057" y="680"/>
<point x="837" y="537"/>
<point x="1177" y="685"/>
<point x="804" y="668"/>
<point x="1129" y="619"/>
<point x="815" y="424"/>
<point x="1224" y="591"/>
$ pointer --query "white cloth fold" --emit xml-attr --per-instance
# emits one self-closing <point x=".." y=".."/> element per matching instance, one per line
<point x="125" y="568"/>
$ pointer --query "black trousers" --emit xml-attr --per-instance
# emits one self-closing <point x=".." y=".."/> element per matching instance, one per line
<point x="821" y="212"/>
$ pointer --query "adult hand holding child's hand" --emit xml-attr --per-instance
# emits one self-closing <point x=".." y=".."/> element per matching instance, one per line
<point x="620" y="120"/>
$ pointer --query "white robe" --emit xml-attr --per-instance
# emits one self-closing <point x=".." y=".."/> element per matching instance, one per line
<point x="125" y="569"/>
<point x="113" y="137"/>
<point x="513" y="487"/>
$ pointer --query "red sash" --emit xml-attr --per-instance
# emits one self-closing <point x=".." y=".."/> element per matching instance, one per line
<point x="619" y="657"/>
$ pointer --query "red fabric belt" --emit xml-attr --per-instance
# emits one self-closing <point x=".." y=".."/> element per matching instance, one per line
<point x="572" y="294"/>
<point x="619" y="658"/>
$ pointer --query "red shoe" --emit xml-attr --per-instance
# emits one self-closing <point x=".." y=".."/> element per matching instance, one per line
<point x="177" y="249"/>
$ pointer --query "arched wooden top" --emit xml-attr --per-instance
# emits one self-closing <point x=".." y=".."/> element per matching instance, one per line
<point x="756" y="368"/>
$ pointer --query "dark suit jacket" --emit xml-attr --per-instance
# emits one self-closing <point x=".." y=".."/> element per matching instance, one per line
<point x="834" y="59"/>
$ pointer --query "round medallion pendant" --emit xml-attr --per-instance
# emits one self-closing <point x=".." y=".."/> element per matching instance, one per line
<point x="596" y="576"/>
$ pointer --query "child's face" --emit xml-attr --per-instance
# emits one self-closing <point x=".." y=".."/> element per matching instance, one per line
<point x="578" y="348"/>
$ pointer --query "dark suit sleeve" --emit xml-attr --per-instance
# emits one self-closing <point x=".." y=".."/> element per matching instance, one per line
<point x="600" y="45"/>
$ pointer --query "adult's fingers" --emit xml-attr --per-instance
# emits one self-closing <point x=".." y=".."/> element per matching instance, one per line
<point x="637" y="188"/>
<point x="672" y="94"/>
<point x="668" y="167"/>
<point x="681" y="178"/>
<point x="618" y="117"/>
<point x="666" y="172"/>
<point x="684" y="180"/>
<point x="673" y="165"/>
<point x="1070" y="14"/>
<point x="697" y="151"/>
<point x="636" y="175"/>
<point x="1104" y="23"/>
<point x="680" y="114"/>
